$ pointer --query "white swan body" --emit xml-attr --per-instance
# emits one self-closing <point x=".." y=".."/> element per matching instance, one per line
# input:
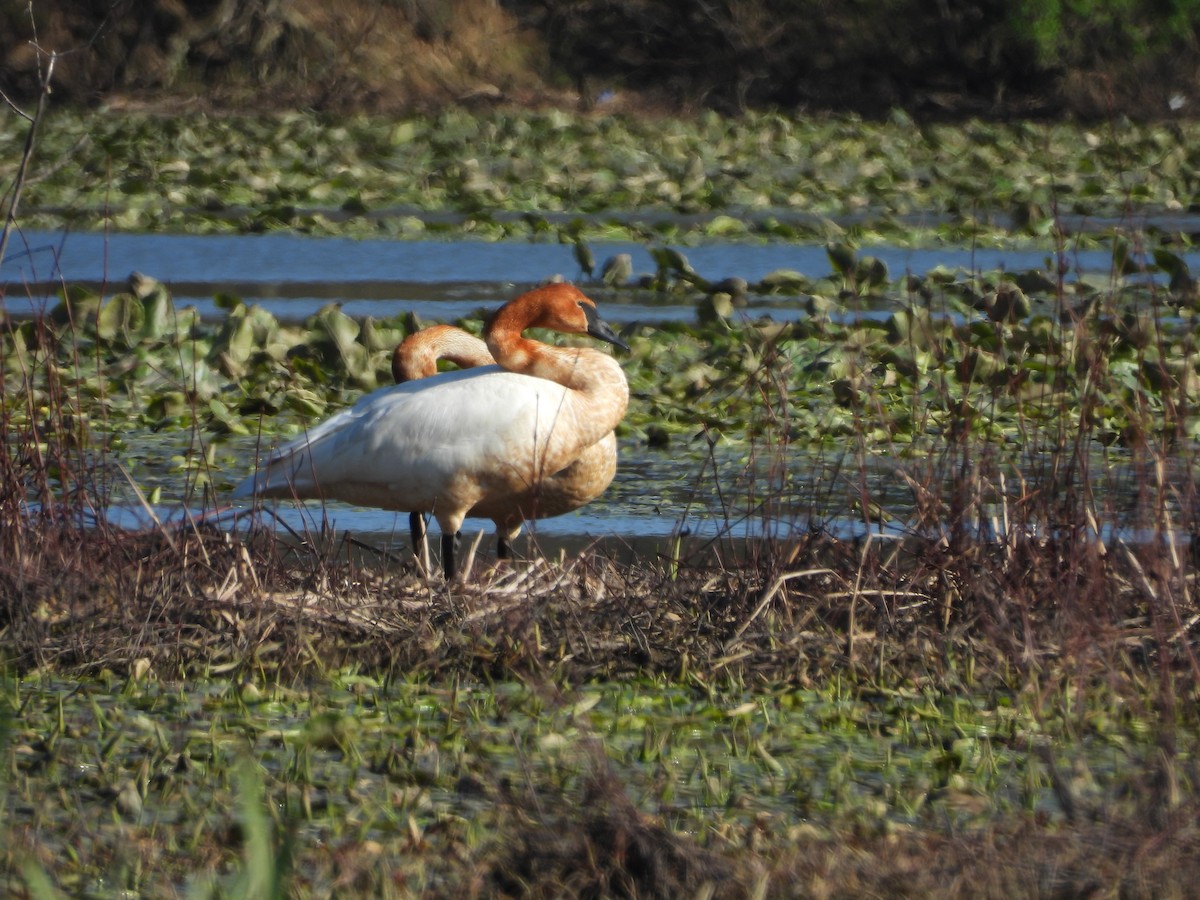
<point x="448" y="443"/>
<point x="581" y="482"/>
<point x="422" y="446"/>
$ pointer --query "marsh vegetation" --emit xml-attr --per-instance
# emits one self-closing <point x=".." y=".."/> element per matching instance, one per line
<point x="986" y="686"/>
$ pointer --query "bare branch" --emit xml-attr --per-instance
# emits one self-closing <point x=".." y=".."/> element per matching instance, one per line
<point x="13" y="106"/>
<point x="10" y="218"/>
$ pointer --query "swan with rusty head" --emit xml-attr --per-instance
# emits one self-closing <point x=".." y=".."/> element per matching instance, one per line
<point x="581" y="482"/>
<point x="453" y="443"/>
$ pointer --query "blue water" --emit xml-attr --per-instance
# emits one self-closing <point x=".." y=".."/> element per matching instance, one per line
<point x="294" y="276"/>
<point x="294" y="259"/>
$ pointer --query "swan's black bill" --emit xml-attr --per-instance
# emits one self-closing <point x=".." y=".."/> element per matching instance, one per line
<point x="598" y="328"/>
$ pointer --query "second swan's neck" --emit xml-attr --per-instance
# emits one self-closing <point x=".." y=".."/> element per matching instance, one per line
<point x="417" y="355"/>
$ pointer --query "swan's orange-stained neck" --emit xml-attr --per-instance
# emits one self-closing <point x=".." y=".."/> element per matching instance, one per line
<point x="560" y="307"/>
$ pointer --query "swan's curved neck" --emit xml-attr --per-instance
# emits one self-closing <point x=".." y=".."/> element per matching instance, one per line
<point x="572" y="367"/>
<point x="417" y="356"/>
<point x="598" y="390"/>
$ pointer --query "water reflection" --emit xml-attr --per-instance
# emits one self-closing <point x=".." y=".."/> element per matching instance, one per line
<point x="677" y="504"/>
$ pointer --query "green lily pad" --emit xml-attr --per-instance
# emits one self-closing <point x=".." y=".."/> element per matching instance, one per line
<point x="121" y="320"/>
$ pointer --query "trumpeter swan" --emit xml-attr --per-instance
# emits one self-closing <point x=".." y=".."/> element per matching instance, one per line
<point x="578" y="484"/>
<point x="446" y="444"/>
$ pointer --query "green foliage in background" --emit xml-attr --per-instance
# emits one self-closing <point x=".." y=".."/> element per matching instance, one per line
<point x="1089" y="33"/>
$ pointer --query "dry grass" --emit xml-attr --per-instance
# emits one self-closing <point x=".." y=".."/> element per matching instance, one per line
<point x="78" y="599"/>
<point x="452" y="52"/>
<point x="364" y="57"/>
<point x="611" y="851"/>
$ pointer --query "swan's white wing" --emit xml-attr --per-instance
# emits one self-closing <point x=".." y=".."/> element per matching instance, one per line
<point x="406" y="446"/>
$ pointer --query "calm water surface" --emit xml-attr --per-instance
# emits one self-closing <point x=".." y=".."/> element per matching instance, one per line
<point x="294" y="276"/>
<point x="656" y="496"/>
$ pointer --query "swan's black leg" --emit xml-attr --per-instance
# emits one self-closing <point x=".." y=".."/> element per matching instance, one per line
<point x="416" y="528"/>
<point x="449" y="544"/>
<point x="503" y="550"/>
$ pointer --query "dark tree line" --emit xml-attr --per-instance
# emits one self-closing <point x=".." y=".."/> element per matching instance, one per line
<point x="989" y="57"/>
<point x="986" y="56"/>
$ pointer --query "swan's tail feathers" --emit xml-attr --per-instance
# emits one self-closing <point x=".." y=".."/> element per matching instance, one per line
<point x="252" y="486"/>
<point x="279" y="477"/>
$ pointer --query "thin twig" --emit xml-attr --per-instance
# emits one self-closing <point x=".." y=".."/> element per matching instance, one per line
<point x="147" y="508"/>
<point x="776" y="585"/>
<point x="10" y="217"/>
<point x="880" y="592"/>
<point x="13" y="106"/>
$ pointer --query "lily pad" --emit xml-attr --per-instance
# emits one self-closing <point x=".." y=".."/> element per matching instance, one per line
<point x="121" y="320"/>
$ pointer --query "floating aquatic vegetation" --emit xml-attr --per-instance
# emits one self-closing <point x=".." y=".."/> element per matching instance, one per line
<point x="510" y="174"/>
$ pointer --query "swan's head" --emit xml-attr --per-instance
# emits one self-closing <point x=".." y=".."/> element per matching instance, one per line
<point x="558" y="307"/>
